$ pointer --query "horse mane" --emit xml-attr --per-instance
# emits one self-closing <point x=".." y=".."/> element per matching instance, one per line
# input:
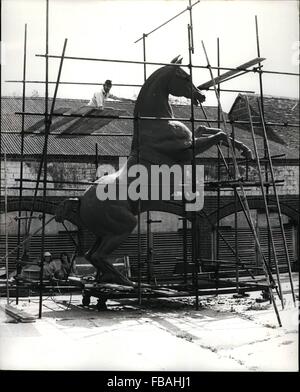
<point x="150" y="80"/>
<point x="155" y="77"/>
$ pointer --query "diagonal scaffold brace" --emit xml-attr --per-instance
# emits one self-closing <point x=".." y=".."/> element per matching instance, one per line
<point x="270" y="163"/>
<point x="264" y="196"/>
<point x="243" y="200"/>
<point x="27" y="239"/>
<point x="47" y="133"/>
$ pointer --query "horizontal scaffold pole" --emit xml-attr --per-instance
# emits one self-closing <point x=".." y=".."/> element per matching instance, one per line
<point x="227" y="184"/>
<point x="254" y="69"/>
<point x="116" y="85"/>
<point x="117" y="117"/>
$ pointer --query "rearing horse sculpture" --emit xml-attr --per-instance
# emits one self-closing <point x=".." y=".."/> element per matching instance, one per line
<point x="159" y="142"/>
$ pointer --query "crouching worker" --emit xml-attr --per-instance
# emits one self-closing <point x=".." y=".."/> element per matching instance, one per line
<point x="57" y="268"/>
<point x="99" y="98"/>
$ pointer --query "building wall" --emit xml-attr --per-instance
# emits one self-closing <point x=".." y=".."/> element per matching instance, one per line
<point x="86" y="172"/>
<point x="57" y="238"/>
<point x="57" y="171"/>
<point x="288" y="173"/>
<point x="11" y="224"/>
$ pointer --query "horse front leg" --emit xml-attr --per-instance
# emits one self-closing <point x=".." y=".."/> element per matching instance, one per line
<point x="244" y="150"/>
<point x="208" y="137"/>
<point x="205" y="138"/>
<point x="203" y="131"/>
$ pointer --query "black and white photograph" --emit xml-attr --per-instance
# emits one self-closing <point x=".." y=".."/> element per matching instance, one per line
<point x="149" y="205"/>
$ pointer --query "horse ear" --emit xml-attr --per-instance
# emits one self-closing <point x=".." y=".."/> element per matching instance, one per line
<point x="177" y="60"/>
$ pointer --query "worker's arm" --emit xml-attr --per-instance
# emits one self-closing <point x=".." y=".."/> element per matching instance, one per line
<point x="119" y="98"/>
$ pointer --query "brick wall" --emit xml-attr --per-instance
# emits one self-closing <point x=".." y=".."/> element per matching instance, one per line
<point x="290" y="175"/>
<point x="57" y="171"/>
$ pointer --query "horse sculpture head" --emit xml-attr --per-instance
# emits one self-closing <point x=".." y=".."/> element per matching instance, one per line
<point x="153" y="99"/>
<point x="180" y="83"/>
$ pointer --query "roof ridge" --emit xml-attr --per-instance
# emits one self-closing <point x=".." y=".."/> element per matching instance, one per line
<point x="39" y="98"/>
<point x="85" y="100"/>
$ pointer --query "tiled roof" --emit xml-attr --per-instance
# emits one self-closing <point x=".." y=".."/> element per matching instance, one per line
<point x="276" y="110"/>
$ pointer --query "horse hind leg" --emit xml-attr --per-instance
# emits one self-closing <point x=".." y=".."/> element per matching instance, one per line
<point x="106" y="271"/>
<point x="92" y="250"/>
<point x="119" y="222"/>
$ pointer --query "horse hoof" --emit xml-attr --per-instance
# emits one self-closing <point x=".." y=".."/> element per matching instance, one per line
<point x="115" y="279"/>
<point x="105" y="278"/>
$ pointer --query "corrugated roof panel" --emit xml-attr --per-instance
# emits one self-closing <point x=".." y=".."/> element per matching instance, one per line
<point x="113" y="146"/>
<point x="67" y="146"/>
<point x="110" y="145"/>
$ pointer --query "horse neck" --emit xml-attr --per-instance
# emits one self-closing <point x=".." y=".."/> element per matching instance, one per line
<point x="153" y="101"/>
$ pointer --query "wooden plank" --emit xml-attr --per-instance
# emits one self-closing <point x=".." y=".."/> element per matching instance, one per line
<point x="147" y="293"/>
<point x="226" y="75"/>
<point x="63" y="122"/>
<point x="19" y="315"/>
<point x="66" y="123"/>
<point x="89" y="125"/>
<point x="40" y="125"/>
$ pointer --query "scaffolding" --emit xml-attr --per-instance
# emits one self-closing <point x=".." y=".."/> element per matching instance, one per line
<point x="235" y="181"/>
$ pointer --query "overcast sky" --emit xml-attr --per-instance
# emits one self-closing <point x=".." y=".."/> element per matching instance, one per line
<point x="108" y="29"/>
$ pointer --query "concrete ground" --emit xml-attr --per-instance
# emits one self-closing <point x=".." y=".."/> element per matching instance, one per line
<point x="225" y="334"/>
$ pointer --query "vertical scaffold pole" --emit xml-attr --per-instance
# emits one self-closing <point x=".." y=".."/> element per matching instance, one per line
<point x="22" y="159"/>
<point x="48" y="119"/>
<point x="144" y="56"/>
<point x="148" y="230"/>
<point x="235" y="222"/>
<point x="277" y="202"/>
<point x="264" y="196"/>
<point x="44" y="161"/>
<point x="6" y="227"/>
<point x="191" y="43"/>
<point x="219" y="178"/>
<point x="139" y="219"/>
<point x="184" y="238"/>
<point x="96" y="159"/>
<point x="269" y="164"/>
<point x="261" y="96"/>
<point x="195" y="257"/>
<point x="243" y="199"/>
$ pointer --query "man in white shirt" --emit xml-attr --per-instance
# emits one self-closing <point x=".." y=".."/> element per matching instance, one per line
<point x="99" y="98"/>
